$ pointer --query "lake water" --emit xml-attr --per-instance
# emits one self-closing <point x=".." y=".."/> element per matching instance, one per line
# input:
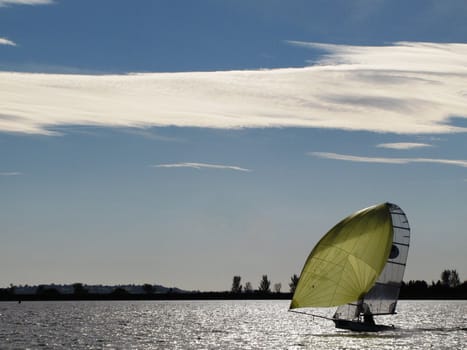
<point x="219" y="325"/>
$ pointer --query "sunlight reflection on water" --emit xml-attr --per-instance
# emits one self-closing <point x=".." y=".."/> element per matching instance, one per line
<point x="219" y="325"/>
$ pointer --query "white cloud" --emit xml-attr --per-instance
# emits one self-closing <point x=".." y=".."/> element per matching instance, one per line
<point x="407" y="88"/>
<point x="151" y="135"/>
<point x="350" y="158"/>
<point x="25" y="2"/>
<point x="4" y="41"/>
<point x="10" y="173"/>
<point x="201" y="166"/>
<point x="403" y="145"/>
<point x="4" y="3"/>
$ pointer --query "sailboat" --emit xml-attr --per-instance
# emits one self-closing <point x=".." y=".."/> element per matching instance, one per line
<point x="357" y="267"/>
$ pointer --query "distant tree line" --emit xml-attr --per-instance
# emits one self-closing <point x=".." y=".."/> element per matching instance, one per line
<point x="448" y="287"/>
<point x="82" y="291"/>
<point x="264" y="286"/>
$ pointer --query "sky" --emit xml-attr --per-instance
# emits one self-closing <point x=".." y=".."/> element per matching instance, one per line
<point x="182" y="143"/>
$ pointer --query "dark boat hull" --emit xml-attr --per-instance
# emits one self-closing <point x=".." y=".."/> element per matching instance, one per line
<point x="361" y="326"/>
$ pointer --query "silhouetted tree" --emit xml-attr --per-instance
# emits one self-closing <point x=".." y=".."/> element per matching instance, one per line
<point x="293" y="283"/>
<point x="148" y="288"/>
<point x="445" y="276"/>
<point x="78" y="289"/>
<point x="47" y="292"/>
<point x="454" y="281"/>
<point x="450" y="278"/>
<point x="264" y="285"/>
<point x="12" y="289"/>
<point x="463" y="286"/>
<point x="418" y="284"/>
<point x="236" y="286"/>
<point x="40" y="289"/>
<point x="119" y="292"/>
<point x="5" y="292"/>
<point x="248" y="288"/>
<point x="277" y="287"/>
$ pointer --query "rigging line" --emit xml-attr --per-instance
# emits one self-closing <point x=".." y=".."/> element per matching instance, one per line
<point x="402" y="228"/>
<point x="389" y="284"/>
<point x="306" y="313"/>
<point x="396" y="213"/>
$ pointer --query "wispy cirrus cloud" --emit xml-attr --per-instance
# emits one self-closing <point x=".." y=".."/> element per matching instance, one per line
<point x="6" y="3"/>
<point x="25" y="2"/>
<point x="403" y="145"/>
<point x="200" y="166"/>
<point x="10" y="173"/>
<point x="4" y="41"/>
<point x="406" y="88"/>
<point x="384" y="160"/>
<point x="151" y="135"/>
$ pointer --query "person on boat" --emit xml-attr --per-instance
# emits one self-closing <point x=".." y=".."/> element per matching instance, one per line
<point x="367" y="315"/>
<point x="368" y="319"/>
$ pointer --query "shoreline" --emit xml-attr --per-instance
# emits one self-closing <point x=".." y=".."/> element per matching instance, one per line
<point x="185" y="296"/>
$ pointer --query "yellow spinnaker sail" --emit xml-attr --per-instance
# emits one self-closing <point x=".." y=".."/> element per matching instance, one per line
<point x="346" y="262"/>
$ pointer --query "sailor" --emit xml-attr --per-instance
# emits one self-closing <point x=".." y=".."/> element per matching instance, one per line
<point x="367" y="315"/>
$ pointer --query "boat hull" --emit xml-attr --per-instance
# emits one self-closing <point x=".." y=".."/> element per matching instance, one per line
<point x="361" y="326"/>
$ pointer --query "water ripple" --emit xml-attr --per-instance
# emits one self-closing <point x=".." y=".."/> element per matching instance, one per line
<point x="218" y="325"/>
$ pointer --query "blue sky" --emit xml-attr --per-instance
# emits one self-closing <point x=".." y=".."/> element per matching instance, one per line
<point x="182" y="143"/>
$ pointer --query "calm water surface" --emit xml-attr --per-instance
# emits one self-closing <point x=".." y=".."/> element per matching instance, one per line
<point x="219" y="325"/>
